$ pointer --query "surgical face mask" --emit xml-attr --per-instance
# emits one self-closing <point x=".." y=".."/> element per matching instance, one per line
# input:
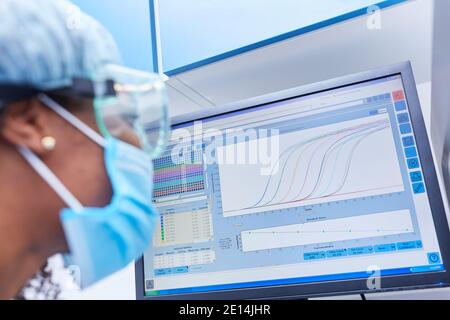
<point x="104" y="240"/>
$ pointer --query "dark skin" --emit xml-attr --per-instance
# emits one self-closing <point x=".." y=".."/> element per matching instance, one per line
<point x="30" y="227"/>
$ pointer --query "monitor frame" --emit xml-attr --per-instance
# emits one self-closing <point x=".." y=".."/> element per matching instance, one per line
<point x="349" y="286"/>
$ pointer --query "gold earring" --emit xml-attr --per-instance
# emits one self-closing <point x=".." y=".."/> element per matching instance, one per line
<point x="49" y="143"/>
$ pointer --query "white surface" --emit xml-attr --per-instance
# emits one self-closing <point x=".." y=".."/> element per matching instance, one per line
<point x="119" y="286"/>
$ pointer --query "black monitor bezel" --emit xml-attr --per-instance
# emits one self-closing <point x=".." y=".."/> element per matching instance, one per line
<point x="350" y="286"/>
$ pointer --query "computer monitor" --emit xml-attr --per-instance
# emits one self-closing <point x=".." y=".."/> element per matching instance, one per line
<point x="320" y="190"/>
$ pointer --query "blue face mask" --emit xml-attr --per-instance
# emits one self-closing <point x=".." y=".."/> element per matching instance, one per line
<point x="105" y="240"/>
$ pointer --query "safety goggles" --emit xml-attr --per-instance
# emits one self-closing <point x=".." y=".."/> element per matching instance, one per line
<point x="130" y="105"/>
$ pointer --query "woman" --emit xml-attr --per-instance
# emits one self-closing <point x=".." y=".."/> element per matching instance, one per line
<point x="67" y="186"/>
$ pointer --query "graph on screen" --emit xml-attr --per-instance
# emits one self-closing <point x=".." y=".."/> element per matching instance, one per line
<point x="180" y="177"/>
<point x="323" y="164"/>
<point x="328" y="231"/>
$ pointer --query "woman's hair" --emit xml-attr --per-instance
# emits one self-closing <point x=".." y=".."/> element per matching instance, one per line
<point x="72" y="104"/>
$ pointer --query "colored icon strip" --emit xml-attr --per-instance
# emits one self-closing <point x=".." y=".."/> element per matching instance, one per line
<point x="408" y="142"/>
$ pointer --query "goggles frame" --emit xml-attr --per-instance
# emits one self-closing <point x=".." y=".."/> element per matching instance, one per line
<point x="100" y="89"/>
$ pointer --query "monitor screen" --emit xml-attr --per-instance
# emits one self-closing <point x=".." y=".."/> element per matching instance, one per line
<point x="322" y="187"/>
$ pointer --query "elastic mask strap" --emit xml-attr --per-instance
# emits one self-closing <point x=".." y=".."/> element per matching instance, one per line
<point x="52" y="180"/>
<point x="77" y="123"/>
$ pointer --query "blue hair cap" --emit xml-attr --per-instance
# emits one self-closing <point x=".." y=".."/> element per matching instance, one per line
<point x="46" y="43"/>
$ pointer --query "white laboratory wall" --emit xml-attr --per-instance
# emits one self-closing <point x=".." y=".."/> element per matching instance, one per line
<point x="119" y="286"/>
<point x="205" y="29"/>
<point x="441" y="79"/>
<point x="129" y="23"/>
<point x="404" y="33"/>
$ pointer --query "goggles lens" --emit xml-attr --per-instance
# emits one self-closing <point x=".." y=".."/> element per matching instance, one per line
<point x="138" y="112"/>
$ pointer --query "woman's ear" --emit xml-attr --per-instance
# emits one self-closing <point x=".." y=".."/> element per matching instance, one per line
<point x="25" y="123"/>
